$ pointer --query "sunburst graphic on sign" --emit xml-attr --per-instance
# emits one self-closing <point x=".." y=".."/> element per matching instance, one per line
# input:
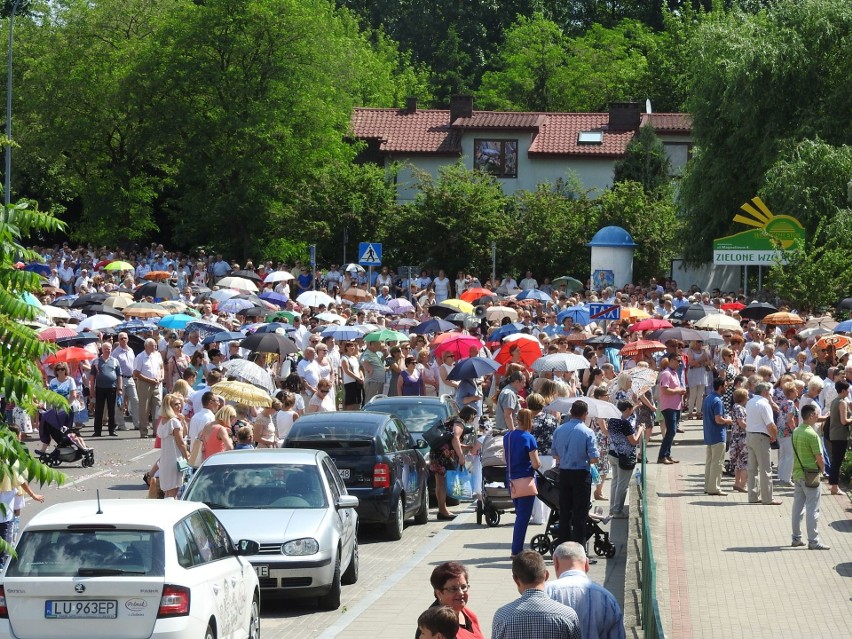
<point x="782" y="228"/>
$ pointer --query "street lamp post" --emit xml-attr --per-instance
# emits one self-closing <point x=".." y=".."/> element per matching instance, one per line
<point x="7" y="185"/>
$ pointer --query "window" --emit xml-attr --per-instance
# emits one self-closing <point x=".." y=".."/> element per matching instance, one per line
<point x="590" y="137"/>
<point x="333" y="479"/>
<point x="187" y="551"/>
<point x="390" y="436"/>
<point x="497" y="157"/>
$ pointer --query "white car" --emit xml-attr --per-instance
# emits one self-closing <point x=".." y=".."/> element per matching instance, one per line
<point x="293" y="503"/>
<point x="128" y="569"/>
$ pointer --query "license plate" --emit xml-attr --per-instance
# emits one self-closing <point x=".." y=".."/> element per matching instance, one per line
<point x="344" y="473"/>
<point x="262" y="571"/>
<point x="75" y="609"/>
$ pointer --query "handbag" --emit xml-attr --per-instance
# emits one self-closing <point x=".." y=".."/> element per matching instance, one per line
<point x="627" y="462"/>
<point x="81" y="416"/>
<point x="459" y="484"/>
<point x="438" y="435"/>
<point x="522" y="486"/>
<point x="812" y="477"/>
<point x="183" y="465"/>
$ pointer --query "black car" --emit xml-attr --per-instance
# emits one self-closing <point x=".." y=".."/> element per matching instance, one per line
<point x="378" y="461"/>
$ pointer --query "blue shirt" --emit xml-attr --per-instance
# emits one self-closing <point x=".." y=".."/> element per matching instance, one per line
<point x="713" y="433"/>
<point x="599" y="612"/>
<point x="467" y="388"/>
<point x="518" y="444"/>
<point x="574" y="444"/>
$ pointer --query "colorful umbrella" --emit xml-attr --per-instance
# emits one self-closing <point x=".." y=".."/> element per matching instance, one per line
<point x="571" y="284"/>
<point x="288" y="315"/>
<point x="145" y="309"/>
<point x="472" y="294"/>
<point x="783" y="319"/>
<point x="460" y="345"/>
<point x="355" y="294"/>
<point x="242" y="393"/>
<point x="177" y="322"/>
<point x="69" y="355"/>
<point x="235" y="305"/>
<point x="343" y="333"/>
<point x="528" y="346"/>
<point x="578" y="314"/>
<point x="641" y="346"/>
<point x="844" y="327"/>
<point x="733" y="306"/>
<point x="459" y="305"/>
<point x="157" y="276"/>
<point x="400" y="305"/>
<point x="276" y="298"/>
<point x="223" y="336"/>
<point x="534" y="294"/>
<point x="834" y="341"/>
<point x="650" y="324"/>
<point x="505" y="331"/>
<point x="384" y="309"/>
<point x="118" y="265"/>
<point x="433" y="325"/>
<point x="386" y="335"/>
<point x="633" y="313"/>
<point x="473" y="367"/>
<point x="205" y="328"/>
<point x="55" y="332"/>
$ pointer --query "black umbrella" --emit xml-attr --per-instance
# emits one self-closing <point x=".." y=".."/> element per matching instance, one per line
<point x="459" y="318"/>
<point x="845" y="304"/>
<point x="157" y="290"/>
<point x="757" y="310"/>
<point x="270" y="343"/>
<point x="249" y="275"/>
<point x="608" y="340"/>
<point x="89" y="299"/>
<point x="64" y="302"/>
<point x="434" y="325"/>
<point x="255" y="311"/>
<point x="77" y="340"/>
<point x="679" y="333"/>
<point x="473" y="367"/>
<point x="690" y="313"/>
<point x="437" y="310"/>
<point x="100" y="309"/>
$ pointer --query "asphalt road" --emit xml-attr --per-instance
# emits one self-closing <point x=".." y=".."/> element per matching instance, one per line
<point x="120" y="463"/>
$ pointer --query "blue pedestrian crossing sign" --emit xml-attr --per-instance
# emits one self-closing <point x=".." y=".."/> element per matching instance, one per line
<point x="604" y="312"/>
<point x="369" y="254"/>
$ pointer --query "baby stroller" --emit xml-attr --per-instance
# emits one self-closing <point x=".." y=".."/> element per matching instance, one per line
<point x="548" y="492"/>
<point x="59" y="427"/>
<point x="495" y="499"/>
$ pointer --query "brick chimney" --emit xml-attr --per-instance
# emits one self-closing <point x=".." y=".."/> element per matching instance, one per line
<point x="624" y="116"/>
<point x="411" y="104"/>
<point x="461" y="106"/>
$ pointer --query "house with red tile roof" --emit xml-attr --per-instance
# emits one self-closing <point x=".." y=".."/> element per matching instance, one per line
<point x="521" y="149"/>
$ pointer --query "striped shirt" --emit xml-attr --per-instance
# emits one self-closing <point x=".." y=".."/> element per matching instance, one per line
<point x="535" y="616"/>
<point x="599" y="612"/>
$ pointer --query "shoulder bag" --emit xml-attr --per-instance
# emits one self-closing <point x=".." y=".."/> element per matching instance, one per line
<point x="812" y="478"/>
<point x="522" y="486"/>
<point x="439" y="434"/>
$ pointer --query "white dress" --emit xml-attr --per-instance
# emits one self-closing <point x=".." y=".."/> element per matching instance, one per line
<point x="169" y="475"/>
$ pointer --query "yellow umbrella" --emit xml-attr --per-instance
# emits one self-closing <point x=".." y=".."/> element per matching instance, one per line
<point x="145" y="310"/>
<point x="118" y="266"/>
<point x="242" y="393"/>
<point x="460" y="305"/>
<point x="631" y="313"/>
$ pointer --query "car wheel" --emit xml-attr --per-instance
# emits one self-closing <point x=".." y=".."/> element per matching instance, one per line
<point x="210" y="633"/>
<point x="422" y="515"/>
<point x="351" y="574"/>
<point x="331" y="600"/>
<point x="254" y="619"/>
<point x="395" y="525"/>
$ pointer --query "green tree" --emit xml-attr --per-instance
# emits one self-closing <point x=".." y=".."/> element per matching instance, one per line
<point x="645" y="161"/>
<point x="451" y="223"/>
<point x="759" y="84"/>
<point x="20" y="379"/>
<point x="816" y="275"/>
<point x="652" y="220"/>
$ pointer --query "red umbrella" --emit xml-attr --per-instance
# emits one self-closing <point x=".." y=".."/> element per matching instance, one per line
<point x="641" y="346"/>
<point x="460" y="345"/>
<point x="157" y="276"/>
<point x="474" y="294"/>
<point x="733" y="306"/>
<point x="56" y="332"/>
<point x="650" y="324"/>
<point x="69" y="355"/>
<point x="528" y="346"/>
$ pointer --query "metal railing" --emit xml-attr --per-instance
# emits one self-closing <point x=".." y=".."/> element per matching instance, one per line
<point x="652" y="623"/>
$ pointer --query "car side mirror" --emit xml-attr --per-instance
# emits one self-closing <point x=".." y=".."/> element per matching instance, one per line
<point x="421" y="444"/>
<point x="347" y="501"/>
<point x="247" y="547"/>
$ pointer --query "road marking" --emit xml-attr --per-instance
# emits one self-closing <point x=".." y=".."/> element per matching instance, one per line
<point x="103" y="472"/>
<point x="358" y="609"/>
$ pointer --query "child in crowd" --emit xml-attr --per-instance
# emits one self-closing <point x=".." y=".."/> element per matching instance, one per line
<point x="244" y="438"/>
<point x="285" y="417"/>
<point x="440" y="622"/>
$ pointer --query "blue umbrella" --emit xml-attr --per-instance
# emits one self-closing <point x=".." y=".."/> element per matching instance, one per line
<point x="504" y="331"/>
<point x="434" y="325"/>
<point x="134" y="326"/>
<point x="224" y="336"/>
<point x="41" y="269"/>
<point x="844" y="327"/>
<point x="275" y="298"/>
<point x="177" y="321"/>
<point x="271" y="327"/>
<point x="235" y="305"/>
<point x="473" y="367"/>
<point x="384" y="309"/>
<point x="205" y="328"/>
<point x="580" y="315"/>
<point x="534" y="294"/>
<point x="343" y="332"/>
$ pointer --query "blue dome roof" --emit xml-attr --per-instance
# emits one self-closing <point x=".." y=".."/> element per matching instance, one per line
<point x="612" y="236"/>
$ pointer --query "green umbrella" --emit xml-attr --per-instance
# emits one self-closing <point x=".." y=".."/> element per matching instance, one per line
<point x="570" y="283"/>
<point x="386" y="335"/>
<point x="118" y="266"/>
<point x="279" y="315"/>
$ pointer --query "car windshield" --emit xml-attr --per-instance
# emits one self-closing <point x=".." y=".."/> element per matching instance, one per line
<point x="88" y="552"/>
<point x="416" y="417"/>
<point x="258" y="486"/>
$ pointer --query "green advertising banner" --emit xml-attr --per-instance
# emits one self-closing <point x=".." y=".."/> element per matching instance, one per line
<point x="758" y="245"/>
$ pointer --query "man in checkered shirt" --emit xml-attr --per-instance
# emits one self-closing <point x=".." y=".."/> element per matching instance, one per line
<point x="534" y="615"/>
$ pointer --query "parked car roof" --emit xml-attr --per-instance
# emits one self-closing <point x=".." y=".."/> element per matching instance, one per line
<point x="264" y="456"/>
<point x="145" y="513"/>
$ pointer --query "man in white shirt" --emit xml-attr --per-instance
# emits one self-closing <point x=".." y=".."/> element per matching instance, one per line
<point x="202" y="417"/>
<point x="126" y="358"/>
<point x="309" y="371"/>
<point x="66" y="276"/>
<point x="301" y="335"/>
<point x="143" y="269"/>
<point x="148" y="373"/>
<point x="761" y="431"/>
<point x="192" y="344"/>
<point x="772" y="360"/>
<point x="83" y="281"/>
<point x="529" y="282"/>
<point x="751" y="354"/>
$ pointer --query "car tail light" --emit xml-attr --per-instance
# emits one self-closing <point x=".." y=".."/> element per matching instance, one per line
<point x="4" y="611"/>
<point x="174" y="602"/>
<point x="381" y="476"/>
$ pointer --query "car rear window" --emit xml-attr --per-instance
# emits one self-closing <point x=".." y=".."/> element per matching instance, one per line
<point x="416" y="417"/>
<point x="258" y="486"/>
<point x="89" y="552"/>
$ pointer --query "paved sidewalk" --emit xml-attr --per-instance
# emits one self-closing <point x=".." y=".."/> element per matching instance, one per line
<point x="725" y="567"/>
<point x="392" y="607"/>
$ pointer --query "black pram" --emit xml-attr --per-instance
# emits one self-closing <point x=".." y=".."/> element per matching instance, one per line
<point x="548" y="492"/>
<point x="58" y="425"/>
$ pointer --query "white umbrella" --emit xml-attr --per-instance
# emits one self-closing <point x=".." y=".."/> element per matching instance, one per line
<point x="717" y="322"/>
<point x="54" y="312"/>
<point x="597" y="407"/>
<point x="354" y="268"/>
<point x="223" y="294"/>
<point x="332" y="318"/>
<point x="809" y="332"/>
<point x="314" y="298"/>
<point x="249" y="372"/>
<point x="99" y="322"/>
<point x="561" y="362"/>
<point x="239" y="283"/>
<point x="279" y="276"/>
<point x="497" y="313"/>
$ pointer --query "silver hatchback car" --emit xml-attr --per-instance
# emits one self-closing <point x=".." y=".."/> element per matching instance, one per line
<point x="295" y="506"/>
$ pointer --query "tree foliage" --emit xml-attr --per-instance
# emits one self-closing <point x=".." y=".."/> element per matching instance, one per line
<point x="645" y="161"/>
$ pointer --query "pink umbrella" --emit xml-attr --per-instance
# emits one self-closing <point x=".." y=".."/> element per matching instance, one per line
<point x="650" y="324"/>
<point x="458" y="344"/>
